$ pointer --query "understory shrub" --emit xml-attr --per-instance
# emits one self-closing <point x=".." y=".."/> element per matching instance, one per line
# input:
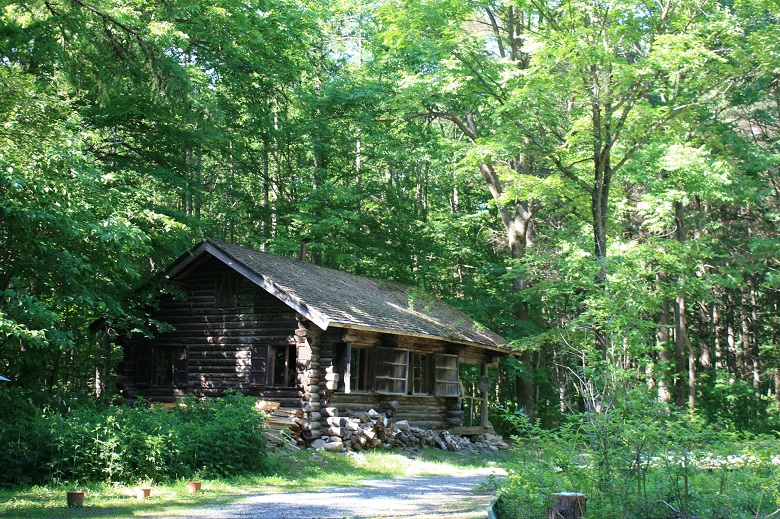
<point x="24" y="439"/>
<point x="640" y="460"/>
<point x="127" y="444"/>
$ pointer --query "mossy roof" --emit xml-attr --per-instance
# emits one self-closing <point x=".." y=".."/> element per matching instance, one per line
<point x="331" y="297"/>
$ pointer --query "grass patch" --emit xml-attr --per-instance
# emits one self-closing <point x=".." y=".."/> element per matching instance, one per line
<point x="304" y="471"/>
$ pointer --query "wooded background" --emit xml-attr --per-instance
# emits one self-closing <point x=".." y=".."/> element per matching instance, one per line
<point x="596" y="180"/>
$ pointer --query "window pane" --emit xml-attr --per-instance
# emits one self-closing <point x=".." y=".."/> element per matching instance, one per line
<point x="284" y="366"/>
<point x="358" y="369"/>
<point x="420" y="373"/>
<point x="446" y="375"/>
<point x="258" y="370"/>
<point x="164" y="369"/>
<point x="226" y="290"/>
<point x="391" y="370"/>
<point x="180" y="367"/>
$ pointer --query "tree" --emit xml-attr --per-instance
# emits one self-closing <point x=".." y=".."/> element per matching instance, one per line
<point x="113" y="128"/>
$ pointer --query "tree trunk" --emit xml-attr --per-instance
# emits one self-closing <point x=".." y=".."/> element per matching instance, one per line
<point x="731" y="340"/>
<point x="684" y="353"/>
<point x="777" y="388"/>
<point x="705" y="333"/>
<point x="662" y="340"/>
<point x="517" y="225"/>
<point x="716" y="337"/>
<point x="749" y="340"/>
<point x="777" y="358"/>
<point x="599" y="206"/>
<point x="526" y="387"/>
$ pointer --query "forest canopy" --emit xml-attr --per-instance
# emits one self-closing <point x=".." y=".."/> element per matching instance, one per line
<point x="596" y="181"/>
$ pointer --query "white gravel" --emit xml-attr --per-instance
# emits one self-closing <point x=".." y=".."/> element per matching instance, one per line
<point x="460" y="496"/>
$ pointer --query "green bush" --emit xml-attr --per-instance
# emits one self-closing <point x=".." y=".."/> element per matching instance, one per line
<point x="129" y="444"/>
<point x="637" y="459"/>
<point x="24" y="439"/>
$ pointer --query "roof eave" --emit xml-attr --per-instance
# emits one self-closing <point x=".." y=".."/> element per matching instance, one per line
<point x="465" y="342"/>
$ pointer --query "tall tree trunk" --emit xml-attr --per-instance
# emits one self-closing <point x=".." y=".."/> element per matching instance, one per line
<point x="749" y="339"/>
<point x="717" y="342"/>
<point x="731" y="339"/>
<point x="685" y="360"/>
<point x="517" y="225"/>
<point x="662" y="340"/>
<point x="685" y="356"/>
<point x="777" y="388"/>
<point x="265" y="224"/>
<point x="706" y="333"/>
<point x="516" y="218"/>
<point x="776" y="311"/>
<point x="599" y="207"/>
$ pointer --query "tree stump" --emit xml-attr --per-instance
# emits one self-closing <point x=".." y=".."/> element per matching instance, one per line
<point x="567" y="505"/>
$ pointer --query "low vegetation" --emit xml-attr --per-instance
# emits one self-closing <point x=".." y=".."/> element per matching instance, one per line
<point x="639" y="460"/>
<point x="633" y="458"/>
<point x="72" y="443"/>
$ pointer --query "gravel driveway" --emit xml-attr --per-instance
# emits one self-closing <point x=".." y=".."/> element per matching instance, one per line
<point x="456" y="496"/>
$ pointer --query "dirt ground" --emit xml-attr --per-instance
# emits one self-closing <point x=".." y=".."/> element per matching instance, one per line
<point x="466" y="495"/>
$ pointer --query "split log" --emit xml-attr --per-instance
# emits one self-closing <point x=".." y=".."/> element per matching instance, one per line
<point x="448" y="440"/>
<point x="438" y="441"/>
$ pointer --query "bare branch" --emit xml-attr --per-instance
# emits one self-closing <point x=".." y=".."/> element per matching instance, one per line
<point x="449" y="116"/>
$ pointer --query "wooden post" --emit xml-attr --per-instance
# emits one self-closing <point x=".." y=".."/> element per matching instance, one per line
<point x="567" y="505"/>
<point x="485" y="389"/>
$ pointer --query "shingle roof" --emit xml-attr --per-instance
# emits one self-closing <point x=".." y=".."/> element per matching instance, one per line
<point x="334" y="298"/>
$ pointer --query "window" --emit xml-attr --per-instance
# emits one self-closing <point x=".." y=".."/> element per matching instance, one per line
<point x="354" y="367"/>
<point x="274" y="365"/>
<point x="421" y="373"/>
<point x="395" y="371"/>
<point x="391" y="371"/>
<point x="258" y="369"/>
<point x="358" y="369"/>
<point x="226" y="290"/>
<point x="165" y="367"/>
<point x="162" y="366"/>
<point x="284" y="371"/>
<point x="446" y="376"/>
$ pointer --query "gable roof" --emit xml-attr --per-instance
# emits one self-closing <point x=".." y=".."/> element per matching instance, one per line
<point x="331" y="297"/>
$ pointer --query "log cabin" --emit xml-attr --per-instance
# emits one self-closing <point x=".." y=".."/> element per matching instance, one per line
<point x="305" y="339"/>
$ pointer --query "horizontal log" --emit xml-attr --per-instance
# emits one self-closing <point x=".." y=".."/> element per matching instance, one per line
<point x="206" y="342"/>
<point x="238" y="365"/>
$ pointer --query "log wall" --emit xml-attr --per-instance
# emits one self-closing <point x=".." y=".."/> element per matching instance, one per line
<point x="218" y="339"/>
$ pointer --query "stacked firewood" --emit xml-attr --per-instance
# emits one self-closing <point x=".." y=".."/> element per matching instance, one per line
<point x="371" y="430"/>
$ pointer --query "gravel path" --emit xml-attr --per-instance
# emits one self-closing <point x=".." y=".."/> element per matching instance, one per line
<point x="456" y="496"/>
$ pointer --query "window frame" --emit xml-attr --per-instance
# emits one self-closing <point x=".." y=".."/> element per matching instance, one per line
<point x="387" y="378"/>
<point x="353" y="380"/>
<point x="446" y="378"/>
<point x="396" y="371"/>
<point x="177" y="361"/>
<point x="263" y="370"/>
<point x="420" y="371"/>
<point x="290" y="373"/>
<point x="358" y="375"/>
